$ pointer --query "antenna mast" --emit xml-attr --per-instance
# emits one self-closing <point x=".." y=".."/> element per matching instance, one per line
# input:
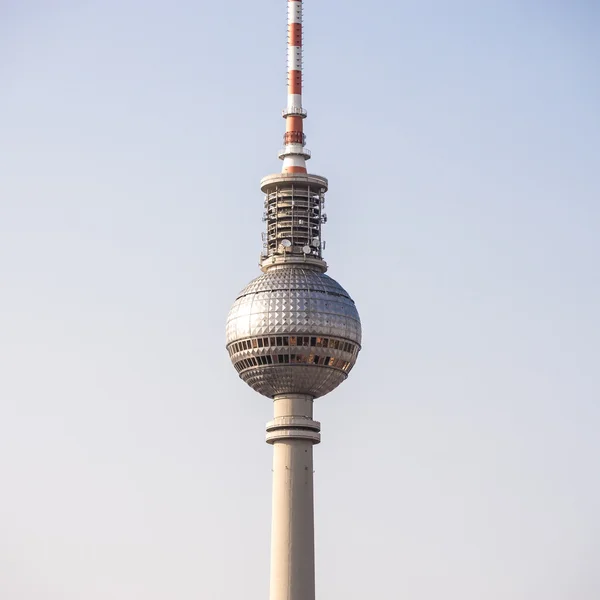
<point x="293" y="154"/>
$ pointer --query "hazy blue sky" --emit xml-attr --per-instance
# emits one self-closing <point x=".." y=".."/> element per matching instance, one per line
<point x="461" y="140"/>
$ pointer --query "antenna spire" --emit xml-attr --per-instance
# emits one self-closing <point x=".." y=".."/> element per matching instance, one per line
<point x="294" y="154"/>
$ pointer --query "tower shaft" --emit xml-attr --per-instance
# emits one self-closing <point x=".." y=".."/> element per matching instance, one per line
<point x="293" y="433"/>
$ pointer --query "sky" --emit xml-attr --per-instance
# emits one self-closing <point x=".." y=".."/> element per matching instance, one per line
<point x="460" y="139"/>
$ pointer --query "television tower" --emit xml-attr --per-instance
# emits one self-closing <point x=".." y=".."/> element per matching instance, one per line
<point x="293" y="335"/>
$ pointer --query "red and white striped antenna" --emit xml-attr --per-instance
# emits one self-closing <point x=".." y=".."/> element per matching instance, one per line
<point x="294" y="154"/>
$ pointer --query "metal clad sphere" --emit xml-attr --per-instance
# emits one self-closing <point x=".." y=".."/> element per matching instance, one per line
<point x="293" y="330"/>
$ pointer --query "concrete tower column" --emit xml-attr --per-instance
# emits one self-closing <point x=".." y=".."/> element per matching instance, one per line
<point x="292" y="434"/>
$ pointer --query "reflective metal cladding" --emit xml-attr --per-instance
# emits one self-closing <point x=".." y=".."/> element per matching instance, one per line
<point x="293" y="330"/>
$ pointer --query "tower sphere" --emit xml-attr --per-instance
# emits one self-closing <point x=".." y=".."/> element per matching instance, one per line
<point x="293" y="330"/>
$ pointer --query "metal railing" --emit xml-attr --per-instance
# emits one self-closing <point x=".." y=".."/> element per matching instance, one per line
<point x="293" y="111"/>
<point x="289" y="151"/>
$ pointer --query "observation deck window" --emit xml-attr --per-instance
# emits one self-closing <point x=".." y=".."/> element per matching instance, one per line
<point x="293" y="340"/>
